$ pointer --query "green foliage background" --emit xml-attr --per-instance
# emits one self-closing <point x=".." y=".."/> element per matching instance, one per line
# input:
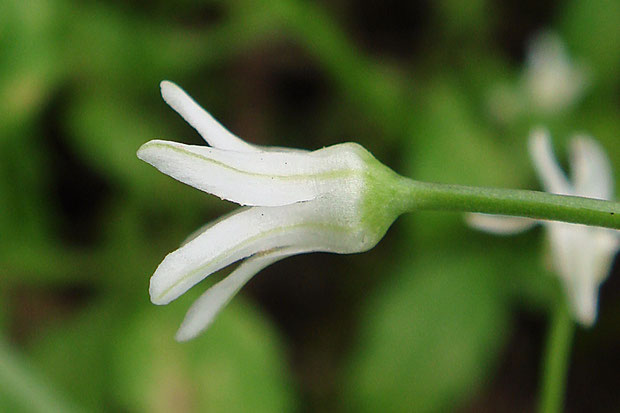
<point x="437" y="317"/>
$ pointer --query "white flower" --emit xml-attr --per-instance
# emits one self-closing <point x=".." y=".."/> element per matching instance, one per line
<point x="552" y="80"/>
<point x="337" y="199"/>
<point x="581" y="255"/>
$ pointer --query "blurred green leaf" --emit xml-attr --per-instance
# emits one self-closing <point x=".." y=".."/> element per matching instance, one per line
<point x="459" y="17"/>
<point x="235" y="366"/>
<point x="451" y="144"/>
<point x="430" y="339"/>
<point x="119" y="47"/>
<point x="31" y="64"/>
<point x="112" y="149"/>
<point x="24" y="213"/>
<point x="4" y="306"/>
<point x="24" y="389"/>
<point x="75" y="353"/>
<point x="46" y="264"/>
<point x="592" y="31"/>
<point x="137" y="238"/>
<point x="375" y="87"/>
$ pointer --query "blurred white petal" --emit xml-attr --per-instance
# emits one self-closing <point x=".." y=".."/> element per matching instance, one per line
<point x="499" y="224"/>
<point x="549" y="172"/>
<point x="552" y="80"/>
<point x="581" y="255"/>
<point x="592" y="176"/>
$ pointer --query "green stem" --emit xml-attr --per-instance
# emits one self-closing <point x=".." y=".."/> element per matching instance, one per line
<point x="531" y="204"/>
<point x="556" y="359"/>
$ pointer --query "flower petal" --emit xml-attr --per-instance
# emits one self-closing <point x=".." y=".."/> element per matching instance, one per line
<point x="253" y="178"/>
<point x="210" y="129"/>
<point x="549" y="172"/>
<point x="204" y="310"/>
<point x="553" y="81"/>
<point x="499" y="224"/>
<point x="195" y="234"/>
<point x="582" y="257"/>
<point x="583" y="296"/>
<point x="592" y="176"/>
<point x="304" y="225"/>
<point x="568" y="258"/>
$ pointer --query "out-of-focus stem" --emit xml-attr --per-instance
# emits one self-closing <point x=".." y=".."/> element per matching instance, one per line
<point x="556" y="357"/>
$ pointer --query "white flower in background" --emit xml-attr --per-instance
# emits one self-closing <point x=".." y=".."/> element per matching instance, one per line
<point x="337" y="199"/>
<point x="553" y="82"/>
<point x="581" y="255"/>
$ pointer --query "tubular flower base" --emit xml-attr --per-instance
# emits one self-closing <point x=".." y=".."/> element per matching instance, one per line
<point x="337" y="199"/>
<point x="582" y="255"/>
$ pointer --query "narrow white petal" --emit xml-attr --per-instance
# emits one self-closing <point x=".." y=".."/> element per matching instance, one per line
<point x="566" y="247"/>
<point x="592" y="176"/>
<point x="585" y="300"/>
<point x="210" y="129"/>
<point x="204" y="310"/>
<point x="549" y="172"/>
<point x="253" y="178"/>
<point x="568" y="258"/>
<point x="582" y="258"/>
<point x="304" y="225"/>
<point x="498" y="224"/>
